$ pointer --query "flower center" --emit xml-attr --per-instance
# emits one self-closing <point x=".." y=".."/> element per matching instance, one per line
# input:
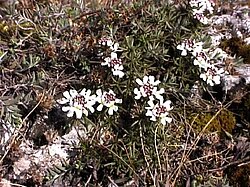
<point x="79" y="100"/>
<point x="115" y="61"/>
<point x="148" y="89"/>
<point x="189" y="43"/>
<point x="109" y="97"/>
<point x="160" y="110"/>
<point x="211" y="71"/>
<point x="202" y="55"/>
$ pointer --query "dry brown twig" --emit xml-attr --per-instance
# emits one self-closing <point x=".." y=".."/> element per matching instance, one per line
<point x="185" y="156"/>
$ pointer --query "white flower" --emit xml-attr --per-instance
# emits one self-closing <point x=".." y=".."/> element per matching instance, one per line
<point x="187" y="45"/>
<point x="78" y="103"/>
<point x="197" y="48"/>
<point x="117" y="71"/>
<point x="87" y="101"/>
<point x="105" y="41"/>
<point x="107" y="99"/>
<point x="114" y="47"/>
<point x="148" y="88"/>
<point x="183" y="49"/>
<point x="212" y="76"/>
<point x="201" y="60"/>
<point x="200" y="7"/>
<point x="115" y="64"/>
<point x="69" y="95"/>
<point x="160" y="111"/>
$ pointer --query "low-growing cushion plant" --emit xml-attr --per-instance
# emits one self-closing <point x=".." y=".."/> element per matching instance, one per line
<point x="128" y="75"/>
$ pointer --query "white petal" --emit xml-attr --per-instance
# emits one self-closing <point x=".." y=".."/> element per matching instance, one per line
<point x="88" y="93"/>
<point x="168" y="119"/>
<point x="203" y="76"/>
<point x="139" y="81"/>
<point x="149" y="113"/>
<point x="109" y="43"/>
<point x="115" y="47"/>
<point x="78" y="114"/>
<point x="73" y="93"/>
<point x="136" y="91"/>
<point x="62" y="101"/>
<point x="145" y="79"/>
<point x="110" y="111"/>
<point x="92" y="110"/>
<point x="66" y="108"/>
<point x="151" y="79"/>
<point x="66" y="94"/>
<point x="85" y="112"/>
<point x="216" y="79"/>
<point x="184" y="52"/>
<point x="113" y="55"/>
<point x="163" y="121"/>
<point x="82" y="93"/>
<point x="151" y="103"/>
<point x="99" y="92"/>
<point x="100" y="107"/>
<point x="118" y="100"/>
<point x="70" y="113"/>
<point x="153" y="118"/>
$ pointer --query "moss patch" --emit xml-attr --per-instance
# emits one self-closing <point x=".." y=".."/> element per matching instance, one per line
<point x="239" y="176"/>
<point x="236" y="46"/>
<point x="224" y="121"/>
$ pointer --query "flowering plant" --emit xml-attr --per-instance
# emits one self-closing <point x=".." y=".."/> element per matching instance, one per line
<point x="159" y="109"/>
<point x="148" y="88"/>
<point x="107" y="99"/>
<point x="78" y="103"/>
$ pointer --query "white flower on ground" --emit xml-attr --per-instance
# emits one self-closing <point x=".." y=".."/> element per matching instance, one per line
<point x="197" y="48"/>
<point x="148" y="88"/>
<point x="107" y="99"/>
<point x="212" y="76"/>
<point x="115" y="63"/>
<point x="106" y="41"/>
<point x="117" y="71"/>
<point x="203" y="19"/>
<point x="200" y="7"/>
<point x="114" y="47"/>
<point x="69" y="95"/>
<point x="78" y="103"/>
<point x="160" y="111"/>
<point x="201" y="60"/>
<point x="183" y="49"/>
<point x="185" y="46"/>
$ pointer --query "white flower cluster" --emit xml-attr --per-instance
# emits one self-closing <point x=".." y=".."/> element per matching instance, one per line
<point x="113" y="61"/>
<point x="83" y="102"/>
<point x="207" y="60"/>
<point x="200" y="7"/>
<point x="157" y="109"/>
